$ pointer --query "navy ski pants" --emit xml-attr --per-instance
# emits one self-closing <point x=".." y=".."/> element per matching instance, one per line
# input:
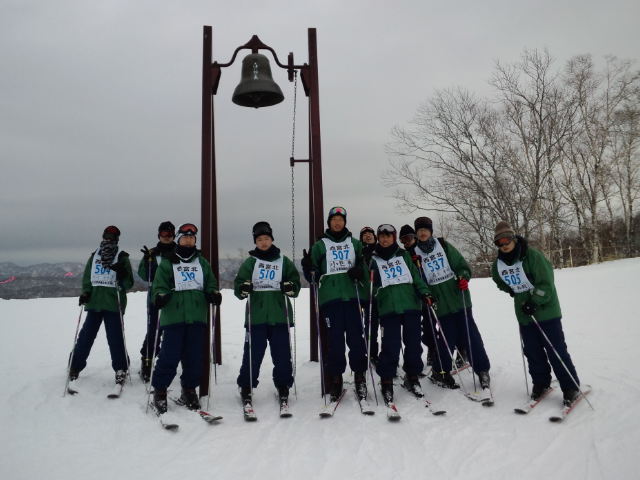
<point x="540" y="354"/>
<point x="146" y="351"/>
<point x="182" y="343"/>
<point x="454" y="328"/>
<point x="343" y="319"/>
<point x="87" y="335"/>
<point x="398" y="329"/>
<point x="278" y="338"/>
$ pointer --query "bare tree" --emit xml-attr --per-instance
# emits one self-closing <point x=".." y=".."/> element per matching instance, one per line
<point x="588" y="176"/>
<point x="626" y="159"/>
<point x="452" y="158"/>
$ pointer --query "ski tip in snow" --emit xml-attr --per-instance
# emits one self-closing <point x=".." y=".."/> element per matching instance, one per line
<point x="392" y="412"/>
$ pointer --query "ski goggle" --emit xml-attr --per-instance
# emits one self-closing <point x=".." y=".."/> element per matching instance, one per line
<point x="386" y="228"/>
<point x="188" y="229"/>
<point x="501" y="242"/>
<point x="337" y="211"/>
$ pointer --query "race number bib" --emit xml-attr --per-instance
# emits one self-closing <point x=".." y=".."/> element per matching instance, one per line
<point x="102" y="276"/>
<point x="267" y="275"/>
<point x="188" y="275"/>
<point x="340" y="256"/>
<point x="514" y="276"/>
<point x="435" y="265"/>
<point x="393" y="271"/>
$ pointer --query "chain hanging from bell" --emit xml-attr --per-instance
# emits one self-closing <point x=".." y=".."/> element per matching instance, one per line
<point x="256" y="88"/>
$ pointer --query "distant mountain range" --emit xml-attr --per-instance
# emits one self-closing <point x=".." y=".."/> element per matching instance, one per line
<point x="46" y="280"/>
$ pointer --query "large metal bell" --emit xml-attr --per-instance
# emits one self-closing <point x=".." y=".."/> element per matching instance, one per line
<point x="256" y="88"/>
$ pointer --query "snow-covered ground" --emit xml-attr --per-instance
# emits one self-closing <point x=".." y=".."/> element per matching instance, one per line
<point x="87" y="436"/>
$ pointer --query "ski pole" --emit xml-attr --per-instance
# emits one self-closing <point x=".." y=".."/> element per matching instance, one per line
<point x="430" y="319"/>
<point x="373" y="383"/>
<point x="212" y="354"/>
<point x="561" y="361"/>
<point x="124" y="338"/>
<point x="148" y="303"/>
<point x="249" y="338"/>
<point x="470" y="353"/>
<point x="444" y="338"/>
<point x="286" y="308"/>
<point x="73" y="351"/>
<point x="314" y="286"/>
<point x="435" y="338"/>
<point x="214" y="357"/>
<point x="524" y="367"/>
<point x="367" y="343"/>
<point x="153" y="360"/>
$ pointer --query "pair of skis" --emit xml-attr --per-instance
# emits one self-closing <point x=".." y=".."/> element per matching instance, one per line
<point x="564" y="412"/>
<point x="116" y="393"/>
<point x="250" y="415"/>
<point x="329" y="409"/>
<point x="209" y="418"/>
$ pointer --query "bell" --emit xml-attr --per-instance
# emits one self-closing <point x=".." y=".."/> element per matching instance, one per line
<point x="256" y="88"/>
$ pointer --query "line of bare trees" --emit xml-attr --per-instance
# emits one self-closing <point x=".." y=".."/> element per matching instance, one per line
<point x="555" y="152"/>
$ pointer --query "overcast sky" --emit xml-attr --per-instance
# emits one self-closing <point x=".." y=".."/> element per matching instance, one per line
<point x="100" y="106"/>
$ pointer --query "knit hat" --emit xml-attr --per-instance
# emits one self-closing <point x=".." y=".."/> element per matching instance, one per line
<point x="111" y="233"/>
<point x="503" y="229"/>
<point x="388" y="228"/>
<point x="337" y="211"/>
<point x="407" y="230"/>
<point x="167" y="227"/>
<point x="364" y="230"/>
<point x="186" y="230"/>
<point x="261" y="228"/>
<point x="423" y="222"/>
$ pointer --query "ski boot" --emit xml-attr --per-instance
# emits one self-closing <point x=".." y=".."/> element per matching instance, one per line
<point x="537" y="391"/>
<point x="570" y="396"/>
<point x="283" y="397"/>
<point x="145" y="369"/>
<point x="190" y="398"/>
<point x="160" y="401"/>
<point x="412" y="384"/>
<point x="361" y="385"/>
<point x="121" y="377"/>
<point x="386" y="388"/>
<point x="444" y="380"/>
<point x="245" y="395"/>
<point x="73" y="374"/>
<point x="335" y="389"/>
<point x="485" y="380"/>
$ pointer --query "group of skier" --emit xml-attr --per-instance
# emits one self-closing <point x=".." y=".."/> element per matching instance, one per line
<point x="414" y="295"/>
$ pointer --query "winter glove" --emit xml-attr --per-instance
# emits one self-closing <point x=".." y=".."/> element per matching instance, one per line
<point x="287" y="288"/>
<point x="463" y="283"/>
<point x="146" y="253"/>
<point x="429" y="301"/>
<point x="84" y="298"/>
<point x="355" y="273"/>
<point x="214" y="297"/>
<point x="529" y="308"/>
<point x="245" y="289"/>
<point x="162" y="299"/>
<point x="307" y="266"/>
<point x="119" y="269"/>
